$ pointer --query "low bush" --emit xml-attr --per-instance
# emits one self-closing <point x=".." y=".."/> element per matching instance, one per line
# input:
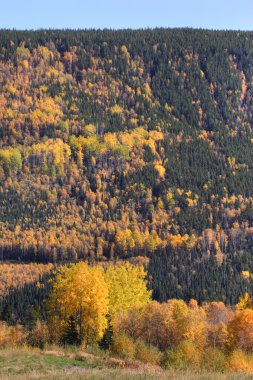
<point x="239" y="361"/>
<point x="11" y="335"/>
<point x="39" y="336"/>
<point x="185" y="355"/>
<point x="123" y="346"/>
<point x="213" y="360"/>
<point x="147" y="353"/>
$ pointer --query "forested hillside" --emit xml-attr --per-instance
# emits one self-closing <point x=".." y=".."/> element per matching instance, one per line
<point x="126" y="143"/>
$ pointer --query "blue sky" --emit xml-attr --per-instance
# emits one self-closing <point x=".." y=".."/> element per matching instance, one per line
<point x="117" y="14"/>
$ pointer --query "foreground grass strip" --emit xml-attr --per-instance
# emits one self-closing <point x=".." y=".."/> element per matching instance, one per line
<point x="19" y="362"/>
<point x="22" y="364"/>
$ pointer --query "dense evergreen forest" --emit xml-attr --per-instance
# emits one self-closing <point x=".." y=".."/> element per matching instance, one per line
<point x="116" y="144"/>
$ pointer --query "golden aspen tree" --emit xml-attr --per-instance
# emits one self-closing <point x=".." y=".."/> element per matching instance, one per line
<point x="127" y="288"/>
<point x="80" y="291"/>
<point x="241" y="330"/>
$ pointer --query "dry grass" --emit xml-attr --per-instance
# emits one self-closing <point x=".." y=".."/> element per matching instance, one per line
<point x="24" y="364"/>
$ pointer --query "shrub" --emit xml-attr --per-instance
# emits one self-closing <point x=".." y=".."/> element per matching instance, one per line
<point x="173" y="359"/>
<point x="185" y="355"/>
<point x="147" y="354"/>
<point x="11" y="335"/>
<point x="123" y="346"/>
<point x="239" y="361"/>
<point x="213" y="360"/>
<point x="39" y="336"/>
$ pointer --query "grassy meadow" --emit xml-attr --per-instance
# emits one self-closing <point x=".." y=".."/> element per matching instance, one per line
<point x="54" y="364"/>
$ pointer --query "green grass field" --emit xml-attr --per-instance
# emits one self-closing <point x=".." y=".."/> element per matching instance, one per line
<point x="23" y="364"/>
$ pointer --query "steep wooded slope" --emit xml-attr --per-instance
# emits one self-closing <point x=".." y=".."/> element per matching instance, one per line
<point x="115" y="144"/>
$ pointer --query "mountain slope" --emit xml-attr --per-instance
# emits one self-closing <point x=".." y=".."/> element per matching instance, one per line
<point x="119" y="143"/>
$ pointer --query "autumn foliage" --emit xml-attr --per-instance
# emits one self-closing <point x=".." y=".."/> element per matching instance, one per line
<point x="111" y="145"/>
<point x="16" y="275"/>
<point x="211" y="336"/>
<point x="110" y="305"/>
<point x="128" y="145"/>
<point x="92" y="297"/>
<point x="80" y="292"/>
